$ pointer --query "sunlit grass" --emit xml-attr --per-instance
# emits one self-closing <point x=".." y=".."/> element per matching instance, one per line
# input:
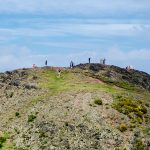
<point x="68" y="81"/>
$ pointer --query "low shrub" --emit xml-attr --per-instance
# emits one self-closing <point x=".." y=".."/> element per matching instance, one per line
<point x="139" y="145"/>
<point x="42" y="134"/>
<point x="122" y="127"/>
<point x="17" y="114"/>
<point x="31" y="118"/>
<point x="147" y="118"/>
<point x="146" y="131"/>
<point x="143" y="109"/>
<point x="147" y="105"/>
<point x="98" y="101"/>
<point x="2" y="141"/>
<point x="132" y="125"/>
<point x="134" y="109"/>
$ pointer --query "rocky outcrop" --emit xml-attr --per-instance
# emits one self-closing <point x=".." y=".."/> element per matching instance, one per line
<point x="114" y="73"/>
<point x="17" y="78"/>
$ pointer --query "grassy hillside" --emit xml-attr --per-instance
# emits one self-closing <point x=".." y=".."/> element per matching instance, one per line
<point x="41" y="109"/>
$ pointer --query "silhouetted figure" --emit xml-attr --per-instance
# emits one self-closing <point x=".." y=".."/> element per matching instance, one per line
<point x="129" y="68"/>
<point x="46" y="63"/>
<point x="71" y="64"/>
<point x="89" y="60"/>
<point x="104" y="61"/>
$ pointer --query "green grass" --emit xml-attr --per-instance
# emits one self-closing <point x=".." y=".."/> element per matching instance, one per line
<point x="70" y="82"/>
<point x="3" y="140"/>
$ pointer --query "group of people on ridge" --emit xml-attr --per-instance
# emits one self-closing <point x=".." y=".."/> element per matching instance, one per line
<point x="102" y="61"/>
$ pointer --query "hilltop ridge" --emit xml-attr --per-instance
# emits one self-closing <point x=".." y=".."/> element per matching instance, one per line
<point x="91" y="106"/>
<point x="114" y="74"/>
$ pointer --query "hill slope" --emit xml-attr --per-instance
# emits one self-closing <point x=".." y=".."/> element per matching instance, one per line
<point x="88" y="107"/>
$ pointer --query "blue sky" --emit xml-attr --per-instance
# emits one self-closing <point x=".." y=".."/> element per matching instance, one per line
<point x="61" y="31"/>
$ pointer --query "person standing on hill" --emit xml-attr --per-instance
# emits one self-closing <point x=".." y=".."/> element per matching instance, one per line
<point x="46" y="63"/>
<point x="71" y="64"/>
<point x="89" y="60"/>
<point x="59" y="73"/>
<point x="104" y="61"/>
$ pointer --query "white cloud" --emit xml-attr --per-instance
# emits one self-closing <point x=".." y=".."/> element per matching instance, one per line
<point x="133" y="55"/>
<point x="82" y="7"/>
<point x="13" y="57"/>
<point x="79" y="29"/>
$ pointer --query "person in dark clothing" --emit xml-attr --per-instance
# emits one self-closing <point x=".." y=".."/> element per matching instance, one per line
<point x="104" y="61"/>
<point x="71" y="64"/>
<point x="89" y="60"/>
<point x="46" y="63"/>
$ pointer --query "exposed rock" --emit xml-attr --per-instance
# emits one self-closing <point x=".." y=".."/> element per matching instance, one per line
<point x="14" y="82"/>
<point x="30" y="86"/>
<point x="135" y="77"/>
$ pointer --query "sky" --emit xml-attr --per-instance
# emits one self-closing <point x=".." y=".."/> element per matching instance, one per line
<point x="32" y="31"/>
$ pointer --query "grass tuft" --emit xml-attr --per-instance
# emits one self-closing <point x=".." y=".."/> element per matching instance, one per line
<point x="31" y="118"/>
<point x="122" y="127"/>
<point x="98" y="101"/>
